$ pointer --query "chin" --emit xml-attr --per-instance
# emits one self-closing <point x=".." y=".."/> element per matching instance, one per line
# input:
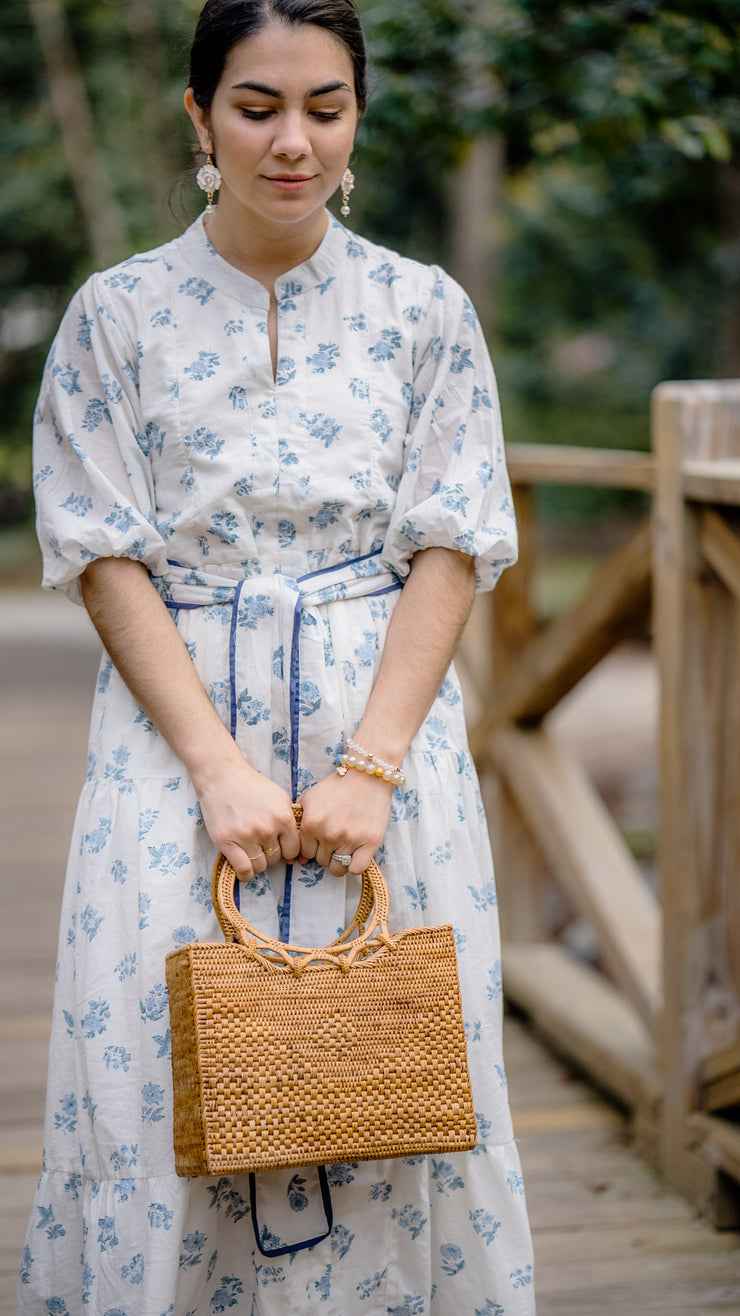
<point x="294" y="213"/>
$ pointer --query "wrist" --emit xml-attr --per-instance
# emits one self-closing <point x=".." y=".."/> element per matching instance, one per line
<point x="384" y="743"/>
<point x="208" y="764"/>
<point x="360" y="758"/>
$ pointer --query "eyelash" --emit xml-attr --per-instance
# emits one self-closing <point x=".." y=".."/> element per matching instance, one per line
<point x="259" y="116"/>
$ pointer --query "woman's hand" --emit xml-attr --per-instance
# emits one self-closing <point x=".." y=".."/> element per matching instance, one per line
<point x="248" y="817"/>
<point x="346" y="815"/>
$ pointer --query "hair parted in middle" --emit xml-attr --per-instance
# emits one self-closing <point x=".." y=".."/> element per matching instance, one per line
<point x="224" y="23"/>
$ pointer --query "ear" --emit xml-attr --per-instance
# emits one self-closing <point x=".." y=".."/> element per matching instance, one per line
<point x="201" y="121"/>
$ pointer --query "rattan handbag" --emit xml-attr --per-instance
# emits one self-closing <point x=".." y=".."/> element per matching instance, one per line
<point x="294" y="1056"/>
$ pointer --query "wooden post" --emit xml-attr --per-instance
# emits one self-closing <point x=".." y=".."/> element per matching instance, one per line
<point x="520" y="869"/>
<point x="721" y="548"/>
<point x="513" y="617"/>
<point x="696" y="644"/>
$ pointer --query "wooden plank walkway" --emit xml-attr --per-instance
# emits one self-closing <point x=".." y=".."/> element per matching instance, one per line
<point x="610" y="1237"/>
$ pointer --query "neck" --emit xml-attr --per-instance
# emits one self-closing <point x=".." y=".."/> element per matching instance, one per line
<point x="261" y="249"/>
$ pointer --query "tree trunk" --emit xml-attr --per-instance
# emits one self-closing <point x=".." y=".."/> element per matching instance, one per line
<point x="474" y="212"/>
<point x="730" y="341"/>
<point x="159" y="149"/>
<point x="103" y="219"/>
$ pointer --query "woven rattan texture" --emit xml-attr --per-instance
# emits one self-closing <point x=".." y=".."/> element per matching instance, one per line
<point x="273" y="1069"/>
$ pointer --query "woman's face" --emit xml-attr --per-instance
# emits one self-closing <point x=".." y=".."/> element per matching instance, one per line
<point x="282" y="123"/>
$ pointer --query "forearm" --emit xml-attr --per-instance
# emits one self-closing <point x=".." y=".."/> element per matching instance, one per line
<point x="350" y="814"/>
<point x="422" y="638"/>
<point x="247" y="815"/>
<point x="148" y="651"/>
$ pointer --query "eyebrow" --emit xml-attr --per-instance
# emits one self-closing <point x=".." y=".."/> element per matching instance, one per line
<point x="278" y="95"/>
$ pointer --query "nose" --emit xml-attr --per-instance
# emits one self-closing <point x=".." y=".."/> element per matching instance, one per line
<point x="291" y="137"/>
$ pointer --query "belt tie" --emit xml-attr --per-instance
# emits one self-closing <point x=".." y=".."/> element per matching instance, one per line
<point x="287" y="598"/>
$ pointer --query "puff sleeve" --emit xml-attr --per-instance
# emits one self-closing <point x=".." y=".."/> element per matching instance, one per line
<point x="454" y="491"/>
<point x="92" y="474"/>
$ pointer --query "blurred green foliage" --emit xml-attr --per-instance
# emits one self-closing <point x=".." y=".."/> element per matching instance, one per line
<point x="615" y="231"/>
<point x="618" y="226"/>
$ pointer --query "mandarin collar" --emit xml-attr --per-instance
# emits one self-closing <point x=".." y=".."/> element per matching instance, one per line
<point x="202" y="256"/>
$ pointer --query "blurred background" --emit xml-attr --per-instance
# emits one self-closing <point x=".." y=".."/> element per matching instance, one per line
<point x="574" y="165"/>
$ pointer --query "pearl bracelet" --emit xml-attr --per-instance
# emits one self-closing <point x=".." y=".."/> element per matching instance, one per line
<point x="363" y="761"/>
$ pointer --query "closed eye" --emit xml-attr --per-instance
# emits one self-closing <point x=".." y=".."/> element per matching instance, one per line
<point x="259" y="116"/>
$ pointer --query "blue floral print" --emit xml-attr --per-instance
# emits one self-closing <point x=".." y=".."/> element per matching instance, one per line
<point x="204" y="442"/>
<point x="67" y="378"/>
<point x="198" y="288"/>
<point x="277" y="520"/>
<point x="386" y="346"/>
<point x="324" y="359"/>
<point x="95" y="1020"/>
<point x="204" y="367"/>
<point x="117" y="1057"/>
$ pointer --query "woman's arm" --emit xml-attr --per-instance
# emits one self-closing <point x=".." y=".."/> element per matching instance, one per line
<point x="350" y="814"/>
<point x="244" y="812"/>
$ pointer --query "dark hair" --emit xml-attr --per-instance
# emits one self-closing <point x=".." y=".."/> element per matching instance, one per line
<point x="224" y="23"/>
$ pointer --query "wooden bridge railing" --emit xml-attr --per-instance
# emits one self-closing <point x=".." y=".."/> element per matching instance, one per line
<point x="658" y="1025"/>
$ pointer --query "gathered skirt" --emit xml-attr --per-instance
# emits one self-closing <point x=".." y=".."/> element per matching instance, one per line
<point x="114" y="1230"/>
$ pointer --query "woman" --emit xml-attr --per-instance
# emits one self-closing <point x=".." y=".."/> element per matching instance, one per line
<point x="247" y="442"/>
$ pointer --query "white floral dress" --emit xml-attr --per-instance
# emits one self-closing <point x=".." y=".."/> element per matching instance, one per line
<point x="277" y="518"/>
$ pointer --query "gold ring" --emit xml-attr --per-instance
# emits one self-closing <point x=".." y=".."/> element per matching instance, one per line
<point x="275" y="851"/>
<point x="252" y="857"/>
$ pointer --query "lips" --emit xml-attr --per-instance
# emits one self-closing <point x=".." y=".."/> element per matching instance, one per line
<point x="289" y="182"/>
<point x="289" y="178"/>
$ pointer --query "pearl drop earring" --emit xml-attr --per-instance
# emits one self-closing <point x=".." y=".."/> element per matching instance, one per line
<point x="348" y="183"/>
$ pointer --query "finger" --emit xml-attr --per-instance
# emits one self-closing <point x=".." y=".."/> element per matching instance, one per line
<point x="272" y="852"/>
<point x="336" y="867"/>
<point x="290" y="844"/>
<point x="258" y="862"/>
<point x="308" y="848"/>
<point x="360" y="859"/>
<point x="239" y="861"/>
<point x="325" y="851"/>
<point x="309" y="835"/>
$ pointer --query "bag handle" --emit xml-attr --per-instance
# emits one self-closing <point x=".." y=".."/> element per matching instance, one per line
<point x="370" y="922"/>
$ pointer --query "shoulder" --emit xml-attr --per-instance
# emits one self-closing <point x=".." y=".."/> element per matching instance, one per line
<point x="383" y="267"/>
<point x="121" y="296"/>
<point x="428" y="292"/>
